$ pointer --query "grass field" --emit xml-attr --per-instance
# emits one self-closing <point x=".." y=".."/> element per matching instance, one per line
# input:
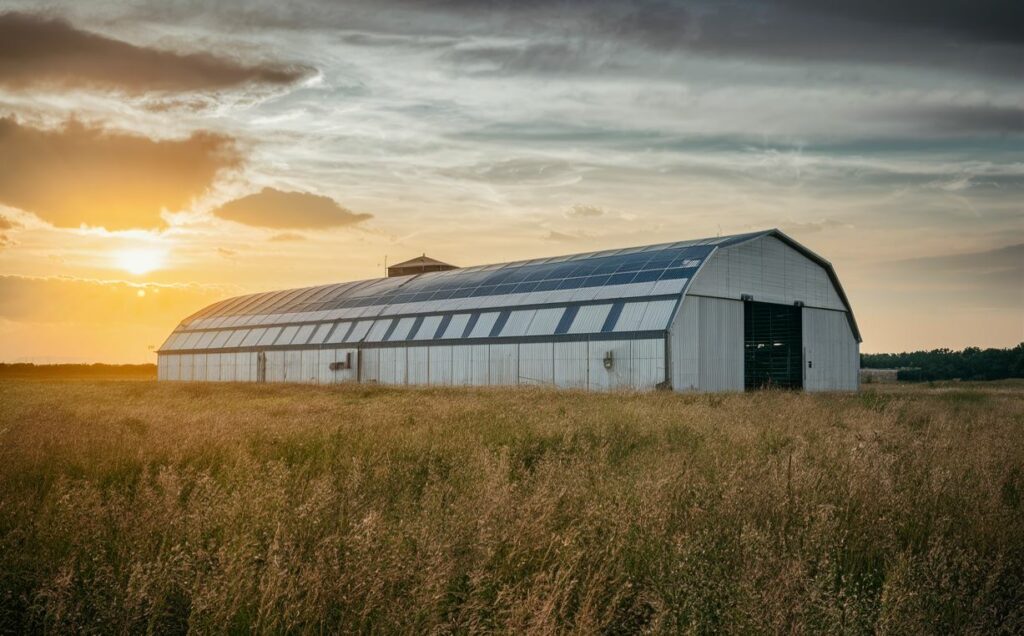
<point x="137" y="506"/>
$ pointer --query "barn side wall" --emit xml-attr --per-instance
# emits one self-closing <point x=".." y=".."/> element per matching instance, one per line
<point x="636" y="364"/>
<point x="831" y="353"/>
<point x="707" y="345"/>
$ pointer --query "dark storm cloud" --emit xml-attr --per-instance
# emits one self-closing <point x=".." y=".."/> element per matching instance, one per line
<point x="272" y="208"/>
<point x="40" y="51"/>
<point x="81" y="174"/>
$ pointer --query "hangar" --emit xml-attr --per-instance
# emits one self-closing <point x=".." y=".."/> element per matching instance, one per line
<point x="729" y="313"/>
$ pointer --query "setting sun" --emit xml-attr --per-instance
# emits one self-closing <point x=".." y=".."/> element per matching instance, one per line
<point x="139" y="261"/>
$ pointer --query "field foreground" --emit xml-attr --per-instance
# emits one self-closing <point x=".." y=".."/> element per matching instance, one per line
<point x="135" y="506"/>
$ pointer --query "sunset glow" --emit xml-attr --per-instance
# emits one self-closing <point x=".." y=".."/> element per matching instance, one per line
<point x="139" y="261"/>
<point x="249" y="149"/>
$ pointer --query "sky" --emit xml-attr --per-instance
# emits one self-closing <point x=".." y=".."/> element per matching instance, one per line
<point x="158" y="156"/>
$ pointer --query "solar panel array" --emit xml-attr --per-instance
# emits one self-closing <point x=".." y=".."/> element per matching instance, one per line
<point x="613" y="317"/>
<point x="565" y="283"/>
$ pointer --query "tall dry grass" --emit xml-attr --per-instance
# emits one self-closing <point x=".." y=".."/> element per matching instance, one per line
<point x="138" y="507"/>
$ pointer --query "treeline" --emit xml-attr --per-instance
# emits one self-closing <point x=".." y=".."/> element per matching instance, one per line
<point x="972" y="363"/>
<point x="71" y="371"/>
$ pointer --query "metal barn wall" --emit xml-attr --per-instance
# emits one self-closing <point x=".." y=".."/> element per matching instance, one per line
<point x="707" y="345"/>
<point x="771" y="271"/>
<point x="831" y="353"/>
<point x="635" y="364"/>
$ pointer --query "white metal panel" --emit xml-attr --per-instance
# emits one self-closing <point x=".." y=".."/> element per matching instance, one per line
<point x="199" y="367"/>
<point x="380" y="327"/>
<point x="441" y="365"/>
<point x="321" y="333"/>
<point x="647" y="359"/>
<point x="518" y="322"/>
<point x="310" y="363"/>
<point x="253" y="337"/>
<point x="173" y="367"/>
<point x="185" y="368"/>
<point x="481" y="370"/>
<point x="536" y="363"/>
<point x="831" y="352"/>
<point x="484" y="324"/>
<point x="658" y="315"/>
<point x="631" y="317"/>
<point x="590" y="319"/>
<point x="428" y="328"/>
<point x="545" y="321"/>
<point x="236" y="338"/>
<point x="462" y="365"/>
<point x="245" y="366"/>
<point x="227" y="367"/>
<point x="503" y="360"/>
<point x="770" y="271"/>
<point x="339" y="333"/>
<point x="161" y="368"/>
<point x="401" y="331"/>
<point x="286" y="335"/>
<point x="619" y="376"/>
<point x="392" y="365"/>
<point x="456" y="326"/>
<point x="275" y="366"/>
<point x="359" y="331"/>
<point x="370" y="361"/>
<point x="720" y="345"/>
<point x="205" y="340"/>
<point x="303" y="334"/>
<point x="685" y="354"/>
<point x="213" y="367"/>
<point x="571" y="364"/>
<point x="418" y="370"/>
<point x="269" y="336"/>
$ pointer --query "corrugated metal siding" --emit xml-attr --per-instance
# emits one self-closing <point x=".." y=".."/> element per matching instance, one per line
<point x="462" y="365"/>
<point x="369" y="359"/>
<point x="199" y="367"/>
<point x="769" y="270"/>
<point x="293" y="366"/>
<point x="620" y="375"/>
<point x="213" y="367"/>
<point x="504" y="363"/>
<point x="275" y="366"/>
<point x="359" y="331"/>
<point x="647" y="362"/>
<point x="571" y="365"/>
<point x="440" y="365"/>
<point x="631" y="317"/>
<point x="392" y="365"/>
<point x="428" y="328"/>
<point x="720" y="345"/>
<point x="376" y="333"/>
<point x="536" y="363"/>
<point x="518" y="322"/>
<point x="707" y="345"/>
<point x="310" y="365"/>
<point x="227" y="367"/>
<point x="831" y="353"/>
<point x="481" y="365"/>
<point x="419" y="365"/>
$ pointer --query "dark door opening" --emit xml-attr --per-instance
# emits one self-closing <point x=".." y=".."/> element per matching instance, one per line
<point x="772" y="346"/>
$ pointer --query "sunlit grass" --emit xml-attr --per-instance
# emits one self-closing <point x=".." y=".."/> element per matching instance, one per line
<point x="135" y="506"/>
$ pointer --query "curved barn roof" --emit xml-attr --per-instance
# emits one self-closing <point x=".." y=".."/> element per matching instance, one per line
<point x="619" y="291"/>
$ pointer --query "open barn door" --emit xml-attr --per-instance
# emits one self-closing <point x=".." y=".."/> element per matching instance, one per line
<point x="773" y="346"/>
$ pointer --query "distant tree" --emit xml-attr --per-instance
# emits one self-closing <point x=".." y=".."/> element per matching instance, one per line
<point x="973" y="363"/>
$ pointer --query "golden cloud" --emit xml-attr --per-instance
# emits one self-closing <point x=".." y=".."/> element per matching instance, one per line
<point x="80" y="174"/>
<point x="277" y="209"/>
<point x="40" y="51"/>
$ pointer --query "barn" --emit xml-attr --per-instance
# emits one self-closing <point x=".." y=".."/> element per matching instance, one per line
<point x="729" y="313"/>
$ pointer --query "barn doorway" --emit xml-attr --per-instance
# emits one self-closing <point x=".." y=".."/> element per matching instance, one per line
<point x="772" y="346"/>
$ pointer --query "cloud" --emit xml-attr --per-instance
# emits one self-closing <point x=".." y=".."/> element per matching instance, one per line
<point x="272" y="208"/>
<point x="227" y="252"/>
<point x="39" y="51"/>
<point x="80" y="174"/>
<point x="6" y="224"/>
<point x="285" y="237"/>
<point x="580" y="211"/>
<point x="983" y="278"/>
<point x="562" y="237"/>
